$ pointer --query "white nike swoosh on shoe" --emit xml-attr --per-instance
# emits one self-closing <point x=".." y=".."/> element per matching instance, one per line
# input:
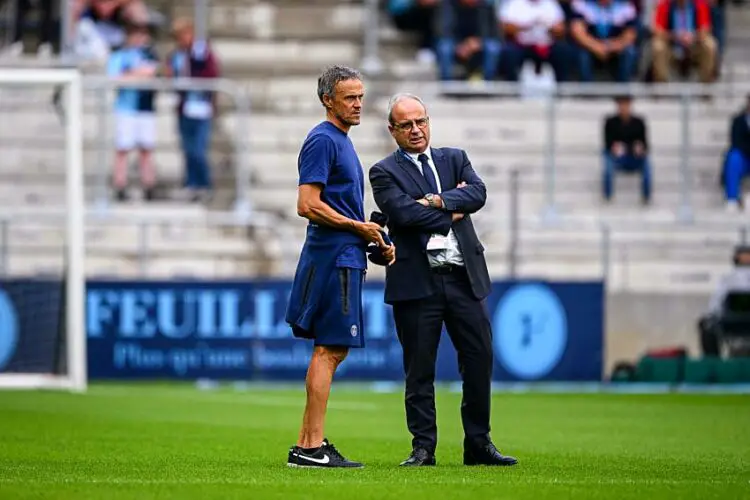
<point x="323" y="460"/>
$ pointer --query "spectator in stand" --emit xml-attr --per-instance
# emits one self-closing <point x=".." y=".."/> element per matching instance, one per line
<point x="718" y="30"/>
<point x="738" y="159"/>
<point x="194" y="59"/>
<point x="467" y="32"/>
<point x="417" y="16"/>
<point x="626" y="148"/>
<point x="534" y="30"/>
<point x="134" y="109"/>
<point x="605" y="32"/>
<point x="109" y="19"/>
<point x="682" y="34"/>
<point x="45" y="30"/>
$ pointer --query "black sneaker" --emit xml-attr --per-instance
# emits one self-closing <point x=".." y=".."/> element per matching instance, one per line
<point x="325" y="456"/>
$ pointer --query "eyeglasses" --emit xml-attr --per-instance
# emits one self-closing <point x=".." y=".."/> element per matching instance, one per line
<point x="408" y="126"/>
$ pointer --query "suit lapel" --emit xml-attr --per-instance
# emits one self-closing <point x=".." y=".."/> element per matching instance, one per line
<point x="413" y="171"/>
<point x="443" y="170"/>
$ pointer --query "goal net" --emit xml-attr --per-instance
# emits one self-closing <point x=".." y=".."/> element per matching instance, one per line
<point x="42" y="334"/>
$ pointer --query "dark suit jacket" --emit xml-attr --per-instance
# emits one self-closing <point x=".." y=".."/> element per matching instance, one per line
<point x="396" y="185"/>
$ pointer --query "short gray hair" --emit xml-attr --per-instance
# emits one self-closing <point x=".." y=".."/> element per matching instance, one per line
<point x="332" y="75"/>
<point x="401" y="97"/>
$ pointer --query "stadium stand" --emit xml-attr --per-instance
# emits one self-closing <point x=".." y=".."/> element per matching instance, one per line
<point x="276" y="50"/>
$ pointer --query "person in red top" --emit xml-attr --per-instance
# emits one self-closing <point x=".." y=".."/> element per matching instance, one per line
<point x="682" y="33"/>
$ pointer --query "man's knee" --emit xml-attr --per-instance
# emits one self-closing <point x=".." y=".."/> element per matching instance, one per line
<point x="708" y="46"/>
<point x="659" y="47"/>
<point x="332" y="355"/>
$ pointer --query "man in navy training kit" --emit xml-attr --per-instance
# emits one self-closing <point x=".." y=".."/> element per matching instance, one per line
<point x="326" y="299"/>
<point x="439" y="276"/>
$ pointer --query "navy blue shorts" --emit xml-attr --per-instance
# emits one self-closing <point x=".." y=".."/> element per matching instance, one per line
<point x="338" y="321"/>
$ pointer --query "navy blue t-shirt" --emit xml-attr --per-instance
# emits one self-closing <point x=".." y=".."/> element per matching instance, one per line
<point x="328" y="157"/>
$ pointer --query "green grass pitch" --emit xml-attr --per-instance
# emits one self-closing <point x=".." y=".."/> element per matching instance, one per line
<point x="165" y="441"/>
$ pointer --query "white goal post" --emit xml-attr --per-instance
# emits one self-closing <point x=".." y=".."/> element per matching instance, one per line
<point x="75" y="378"/>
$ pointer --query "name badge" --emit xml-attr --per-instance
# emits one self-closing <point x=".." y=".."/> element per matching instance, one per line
<point x="437" y="242"/>
<point x="198" y="109"/>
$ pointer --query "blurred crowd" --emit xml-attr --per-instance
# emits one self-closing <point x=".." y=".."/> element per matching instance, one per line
<point x="626" y="151"/>
<point x="135" y="118"/>
<point x="97" y="26"/>
<point x="583" y="40"/>
<point x="118" y="34"/>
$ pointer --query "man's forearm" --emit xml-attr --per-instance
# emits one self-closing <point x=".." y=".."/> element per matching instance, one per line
<point x="582" y="36"/>
<point x="322" y="214"/>
<point x="625" y="40"/>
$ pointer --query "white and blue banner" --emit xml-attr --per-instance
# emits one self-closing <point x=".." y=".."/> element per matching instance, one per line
<point x="235" y="330"/>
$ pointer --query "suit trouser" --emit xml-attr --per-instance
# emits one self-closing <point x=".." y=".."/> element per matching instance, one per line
<point x="702" y="54"/>
<point x="418" y="325"/>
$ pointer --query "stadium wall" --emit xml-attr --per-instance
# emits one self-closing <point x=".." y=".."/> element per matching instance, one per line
<point x="640" y="321"/>
<point x="543" y="331"/>
<point x="235" y="330"/>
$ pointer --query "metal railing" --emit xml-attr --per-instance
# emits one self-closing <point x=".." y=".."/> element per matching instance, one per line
<point x="272" y="248"/>
<point x="280" y="247"/>
<point x="684" y="95"/>
<point x="371" y="63"/>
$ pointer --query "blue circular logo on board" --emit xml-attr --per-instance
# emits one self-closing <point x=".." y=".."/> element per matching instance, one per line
<point x="530" y="331"/>
<point x="8" y="329"/>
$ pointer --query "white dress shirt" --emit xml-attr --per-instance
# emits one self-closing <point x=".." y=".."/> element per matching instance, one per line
<point x="534" y="17"/>
<point x="452" y="253"/>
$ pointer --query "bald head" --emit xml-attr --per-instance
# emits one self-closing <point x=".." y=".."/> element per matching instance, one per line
<point x="404" y="99"/>
<point x="408" y="122"/>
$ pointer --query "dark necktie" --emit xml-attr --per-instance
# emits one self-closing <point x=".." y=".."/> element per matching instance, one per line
<point x="428" y="175"/>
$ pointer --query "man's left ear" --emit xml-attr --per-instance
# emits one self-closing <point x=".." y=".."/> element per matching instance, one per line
<point x="327" y="101"/>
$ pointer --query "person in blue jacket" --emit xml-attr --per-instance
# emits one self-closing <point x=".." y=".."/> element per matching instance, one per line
<point x="737" y="164"/>
<point x="326" y="300"/>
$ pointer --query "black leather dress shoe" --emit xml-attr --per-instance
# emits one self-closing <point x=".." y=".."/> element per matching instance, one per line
<point x="486" y="455"/>
<point x="419" y="457"/>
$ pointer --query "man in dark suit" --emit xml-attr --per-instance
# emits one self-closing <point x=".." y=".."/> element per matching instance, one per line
<point x="439" y="276"/>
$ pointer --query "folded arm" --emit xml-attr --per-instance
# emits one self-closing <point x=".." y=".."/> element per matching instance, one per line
<point x="403" y="210"/>
<point x="470" y="198"/>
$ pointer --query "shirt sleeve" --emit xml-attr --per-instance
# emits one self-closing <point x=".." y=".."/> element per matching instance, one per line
<point x="115" y="64"/>
<point x="609" y="134"/>
<point x="661" y="14"/>
<point x="558" y="15"/>
<point x="704" y="16"/>
<point x="576" y="10"/>
<point x="315" y="159"/>
<point x="631" y="15"/>
<point x="643" y="132"/>
<point x="505" y="11"/>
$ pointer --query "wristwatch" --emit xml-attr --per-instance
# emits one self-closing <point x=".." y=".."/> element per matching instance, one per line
<point x="430" y="199"/>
